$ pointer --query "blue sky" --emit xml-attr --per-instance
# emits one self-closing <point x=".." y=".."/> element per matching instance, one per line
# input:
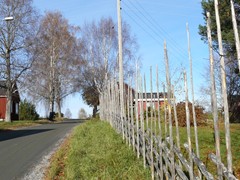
<point x="151" y="22"/>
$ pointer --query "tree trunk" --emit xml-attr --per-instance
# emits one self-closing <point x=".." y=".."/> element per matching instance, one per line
<point x="8" y="108"/>
<point x="59" y="108"/>
<point x="94" y="111"/>
<point x="51" y="110"/>
<point x="8" y="88"/>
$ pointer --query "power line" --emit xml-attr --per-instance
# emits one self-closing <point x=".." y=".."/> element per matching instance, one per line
<point x="173" y="44"/>
<point x="157" y="26"/>
<point x="154" y="26"/>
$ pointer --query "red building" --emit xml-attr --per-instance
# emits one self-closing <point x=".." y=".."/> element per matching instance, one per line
<point x="3" y="102"/>
<point x="147" y="100"/>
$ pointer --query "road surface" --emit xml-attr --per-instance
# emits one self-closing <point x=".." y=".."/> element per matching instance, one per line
<point x="21" y="149"/>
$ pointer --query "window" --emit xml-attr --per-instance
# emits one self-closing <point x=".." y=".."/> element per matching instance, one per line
<point x="11" y="107"/>
<point x="17" y="108"/>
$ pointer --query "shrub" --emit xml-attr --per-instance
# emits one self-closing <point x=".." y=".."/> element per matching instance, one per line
<point x="27" y="111"/>
<point x="181" y="113"/>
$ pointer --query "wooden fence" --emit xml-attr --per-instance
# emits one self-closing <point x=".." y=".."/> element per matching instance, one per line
<point x="149" y="136"/>
<point x="155" y="135"/>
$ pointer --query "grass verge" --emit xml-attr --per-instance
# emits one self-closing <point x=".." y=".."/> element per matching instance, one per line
<point x="96" y="151"/>
<point x="17" y="124"/>
<point x="25" y="123"/>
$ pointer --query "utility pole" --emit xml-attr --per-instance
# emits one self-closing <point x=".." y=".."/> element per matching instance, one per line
<point x="234" y="21"/>
<point x="120" y="63"/>
<point x="214" y="96"/>
<point x="224" y="89"/>
<point x="9" y="92"/>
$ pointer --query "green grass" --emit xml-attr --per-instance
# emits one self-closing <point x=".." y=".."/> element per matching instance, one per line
<point x="207" y="144"/>
<point x="96" y="151"/>
<point x="16" y="124"/>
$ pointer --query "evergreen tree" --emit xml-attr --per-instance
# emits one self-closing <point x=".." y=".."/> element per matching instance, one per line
<point x="27" y="111"/>
<point x="231" y="63"/>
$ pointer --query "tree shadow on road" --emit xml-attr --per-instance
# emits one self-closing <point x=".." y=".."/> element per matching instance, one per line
<point x="12" y="134"/>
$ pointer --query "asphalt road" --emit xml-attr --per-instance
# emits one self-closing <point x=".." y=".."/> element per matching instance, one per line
<point x="21" y="149"/>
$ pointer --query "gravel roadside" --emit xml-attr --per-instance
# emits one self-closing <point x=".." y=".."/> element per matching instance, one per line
<point x="37" y="172"/>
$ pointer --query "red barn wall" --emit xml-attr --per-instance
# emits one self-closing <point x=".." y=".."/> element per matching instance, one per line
<point x="156" y="104"/>
<point x="3" y="102"/>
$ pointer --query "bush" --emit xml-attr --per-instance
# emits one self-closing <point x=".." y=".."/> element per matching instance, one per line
<point x="27" y="111"/>
<point x="181" y="113"/>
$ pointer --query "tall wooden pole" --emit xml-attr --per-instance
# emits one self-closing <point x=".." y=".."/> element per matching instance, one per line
<point x="142" y="123"/>
<point x="120" y="63"/>
<point x="128" y="112"/>
<point x="235" y="29"/>
<point x="137" y="110"/>
<point x="151" y="124"/>
<point x="169" y="108"/>
<point x="132" y="118"/>
<point x="176" y="118"/>
<point x="159" y="126"/>
<point x="165" y="112"/>
<point x="193" y="100"/>
<point x="214" y="96"/>
<point x="158" y="106"/>
<point x="146" y="99"/>
<point x="188" y="128"/>
<point x="224" y="89"/>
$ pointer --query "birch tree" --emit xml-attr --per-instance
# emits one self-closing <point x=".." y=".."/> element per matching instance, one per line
<point x="16" y="41"/>
<point x="99" y="53"/>
<point x="52" y="74"/>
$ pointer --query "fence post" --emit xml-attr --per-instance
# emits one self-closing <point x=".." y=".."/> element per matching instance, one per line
<point x="176" y="122"/>
<point x="159" y="127"/>
<point x="137" y="111"/>
<point x="165" y="113"/>
<point x="142" y="123"/>
<point x="224" y="89"/>
<point x="214" y="96"/>
<point x="169" y="109"/>
<point x="193" y="100"/>
<point x="145" y="89"/>
<point x="188" y="128"/>
<point x="151" y="124"/>
<point x="132" y="118"/>
<point x="128" y="111"/>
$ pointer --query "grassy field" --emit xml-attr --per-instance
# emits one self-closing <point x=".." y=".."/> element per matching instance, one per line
<point x="96" y="151"/>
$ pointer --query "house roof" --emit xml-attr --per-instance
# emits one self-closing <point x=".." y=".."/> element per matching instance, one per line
<point x="4" y="93"/>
